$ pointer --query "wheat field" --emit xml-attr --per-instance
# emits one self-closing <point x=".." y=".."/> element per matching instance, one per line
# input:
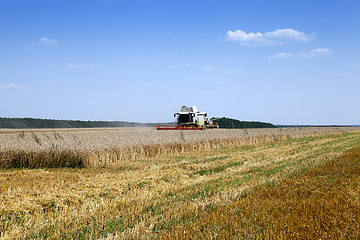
<point x="146" y="184"/>
<point x="111" y="147"/>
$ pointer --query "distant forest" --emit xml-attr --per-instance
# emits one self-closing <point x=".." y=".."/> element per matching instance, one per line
<point x="49" y="123"/>
<point x="233" y="123"/>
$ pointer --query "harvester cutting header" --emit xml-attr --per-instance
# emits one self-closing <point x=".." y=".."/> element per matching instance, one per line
<point x="189" y="118"/>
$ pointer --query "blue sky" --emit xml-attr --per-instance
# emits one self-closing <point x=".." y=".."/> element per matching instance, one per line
<point x="284" y="62"/>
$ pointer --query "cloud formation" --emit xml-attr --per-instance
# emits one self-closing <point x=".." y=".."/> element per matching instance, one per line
<point x="281" y="55"/>
<point x="222" y="83"/>
<point x="277" y="37"/>
<point x="343" y="74"/>
<point x="316" y="52"/>
<point x="48" y="41"/>
<point x="12" y="85"/>
<point x="44" y="41"/>
<point x="80" y="66"/>
<point x="309" y="54"/>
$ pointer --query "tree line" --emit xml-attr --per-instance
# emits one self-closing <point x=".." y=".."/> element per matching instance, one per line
<point x="50" y="123"/>
<point x="233" y="123"/>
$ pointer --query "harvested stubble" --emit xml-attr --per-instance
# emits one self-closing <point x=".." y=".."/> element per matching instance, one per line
<point x="196" y="192"/>
<point x="111" y="147"/>
<point x="322" y="203"/>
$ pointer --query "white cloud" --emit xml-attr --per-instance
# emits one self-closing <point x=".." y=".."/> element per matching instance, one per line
<point x="181" y="65"/>
<point x="222" y="83"/>
<point x="80" y="66"/>
<point x="12" y="85"/>
<point x="308" y="54"/>
<point x="321" y="51"/>
<point x="48" y="41"/>
<point x="277" y="37"/>
<point x="331" y="74"/>
<point x="281" y="55"/>
<point x="44" y="41"/>
<point x="316" y="52"/>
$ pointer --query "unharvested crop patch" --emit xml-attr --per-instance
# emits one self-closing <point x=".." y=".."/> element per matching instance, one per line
<point x="113" y="147"/>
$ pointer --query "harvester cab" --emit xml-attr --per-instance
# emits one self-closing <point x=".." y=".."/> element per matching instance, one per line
<point x="190" y="118"/>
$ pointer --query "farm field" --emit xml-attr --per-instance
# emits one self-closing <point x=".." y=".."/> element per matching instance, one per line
<point x="142" y="184"/>
<point x="115" y="146"/>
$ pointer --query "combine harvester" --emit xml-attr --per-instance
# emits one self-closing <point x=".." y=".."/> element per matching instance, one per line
<point x="189" y="118"/>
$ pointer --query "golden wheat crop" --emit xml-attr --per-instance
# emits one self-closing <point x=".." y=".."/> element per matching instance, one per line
<point x="225" y="190"/>
<point x="111" y="147"/>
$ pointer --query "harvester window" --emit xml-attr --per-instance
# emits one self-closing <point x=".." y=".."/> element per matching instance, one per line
<point x="185" y="118"/>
